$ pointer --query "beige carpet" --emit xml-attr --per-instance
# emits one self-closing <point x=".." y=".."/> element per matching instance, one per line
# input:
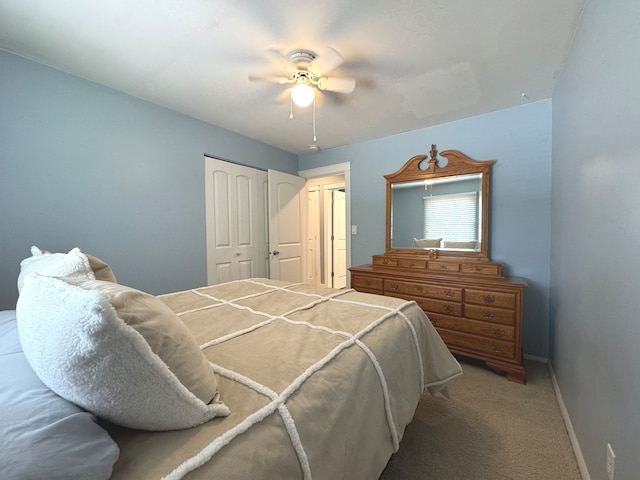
<point x="489" y="429"/>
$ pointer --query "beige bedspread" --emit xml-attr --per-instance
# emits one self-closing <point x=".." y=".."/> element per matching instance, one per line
<point x="320" y="383"/>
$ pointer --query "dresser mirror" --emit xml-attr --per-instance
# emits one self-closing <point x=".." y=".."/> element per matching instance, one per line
<point x="439" y="206"/>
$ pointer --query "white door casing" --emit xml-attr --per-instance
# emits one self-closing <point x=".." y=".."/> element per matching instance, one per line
<point x="344" y="170"/>
<point x="287" y="231"/>
<point x="235" y="221"/>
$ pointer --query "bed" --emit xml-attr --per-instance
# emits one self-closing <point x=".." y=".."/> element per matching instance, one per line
<point x="310" y="383"/>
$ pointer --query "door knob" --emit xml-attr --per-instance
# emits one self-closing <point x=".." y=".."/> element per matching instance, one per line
<point x="275" y="252"/>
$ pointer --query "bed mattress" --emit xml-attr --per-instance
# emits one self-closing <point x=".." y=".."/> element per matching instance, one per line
<point x="320" y="383"/>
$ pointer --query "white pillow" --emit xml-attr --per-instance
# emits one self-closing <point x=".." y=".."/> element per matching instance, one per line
<point x="117" y="352"/>
<point x="426" y="242"/>
<point x="72" y="264"/>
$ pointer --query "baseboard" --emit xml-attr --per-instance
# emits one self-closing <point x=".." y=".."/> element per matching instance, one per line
<point x="582" y="466"/>
<point x="536" y="358"/>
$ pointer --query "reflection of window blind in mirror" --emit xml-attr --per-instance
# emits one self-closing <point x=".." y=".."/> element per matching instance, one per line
<point x="452" y="217"/>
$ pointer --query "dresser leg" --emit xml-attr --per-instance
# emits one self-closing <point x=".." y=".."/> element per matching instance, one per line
<point x="515" y="373"/>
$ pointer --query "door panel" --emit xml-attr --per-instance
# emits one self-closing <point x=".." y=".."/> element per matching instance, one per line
<point x="222" y="222"/>
<point x="286" y="228"/>
<point x="244" y="198"/>
<point x="339" y="244"/>
<point x="313" y="253"/>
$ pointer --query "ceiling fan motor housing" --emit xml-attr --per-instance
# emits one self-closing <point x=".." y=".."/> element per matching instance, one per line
<point x="300" y="56"/>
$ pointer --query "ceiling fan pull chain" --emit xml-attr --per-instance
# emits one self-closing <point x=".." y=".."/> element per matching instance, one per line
<point x="314" y="119"/>
<point x="291" y="107"/>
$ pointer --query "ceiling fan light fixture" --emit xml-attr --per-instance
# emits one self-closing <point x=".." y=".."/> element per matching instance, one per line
<point x="302" y="94"/>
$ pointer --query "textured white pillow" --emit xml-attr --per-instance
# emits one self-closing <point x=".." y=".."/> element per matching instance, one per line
<point x="72" y="264"/>
<point x="105" y="347"/>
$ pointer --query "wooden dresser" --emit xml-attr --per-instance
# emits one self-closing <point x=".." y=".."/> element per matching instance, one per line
<point x="437" y="253"/>
<point x="477" y="312"/>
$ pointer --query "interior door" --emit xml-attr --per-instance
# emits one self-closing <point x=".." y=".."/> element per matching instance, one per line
<point x="235" y="221"/>
<point x="338" y="239"/>
<point x="287" y="237"/>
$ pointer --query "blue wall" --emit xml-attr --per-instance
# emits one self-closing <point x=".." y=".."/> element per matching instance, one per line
<point x="83" y="165"/>
<point x="519" y="139"/>
<point x="595" y="264"/>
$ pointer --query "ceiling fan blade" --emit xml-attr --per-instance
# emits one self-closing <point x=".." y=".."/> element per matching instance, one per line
<point x="326" y="62"/>
<point x="278" y="59"/>
<point x="337" y="84"/>
<point x="270" y="78"/>
<point x="284" y="96"/>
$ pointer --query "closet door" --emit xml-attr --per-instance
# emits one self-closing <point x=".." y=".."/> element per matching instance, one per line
<point x="235" y="221"/>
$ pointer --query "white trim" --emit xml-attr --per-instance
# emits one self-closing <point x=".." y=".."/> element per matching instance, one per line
<point x="325" y="171"/>
<point x="536" y="358"/>
<point x="582" y="466"/>
<point x="337" y="169"/>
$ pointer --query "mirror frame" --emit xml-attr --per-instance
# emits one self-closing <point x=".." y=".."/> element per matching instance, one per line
<point x="457" y="164"/>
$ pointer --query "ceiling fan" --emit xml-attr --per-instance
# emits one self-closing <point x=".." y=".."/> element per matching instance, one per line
<point x="307" y="73"/>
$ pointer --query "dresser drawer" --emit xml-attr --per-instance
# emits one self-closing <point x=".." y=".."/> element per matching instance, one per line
<point x="489" y="314"/>
<point x="462" y="342"/>
<point x="432" y="306"/>
<point x="439" y="306"/>
<point x="492" y="298"/>
<point x="412" y="263"/>
<point x="385" y="261"/>
<point x="485" y="269"/>
<point x="361" y="282"/>
<point x="500" y="332"/>
<point x="423" y="290"/>
<point x="443" y="266"/>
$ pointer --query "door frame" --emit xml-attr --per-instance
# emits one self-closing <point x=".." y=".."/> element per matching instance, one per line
<point x="327" y="171"/>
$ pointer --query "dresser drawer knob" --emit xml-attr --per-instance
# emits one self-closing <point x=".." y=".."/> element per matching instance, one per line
<point x="487" y="314"/>
<point x="367" y="283"/>
<point x="394" y="287"/>
<point x="449" y="293"/>
<point x="448" y="308"/>
<point x="498" y="332"/>
<point x="498" y="349"/>
<point x="489" y="298"/>
<point x="433" y="320"/>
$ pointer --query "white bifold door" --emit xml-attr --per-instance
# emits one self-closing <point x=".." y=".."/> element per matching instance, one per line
<point x="235" y="206"/>
<point x="253" y="223"/>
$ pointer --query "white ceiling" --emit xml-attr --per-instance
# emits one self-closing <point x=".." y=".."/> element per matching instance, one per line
<point x="417" y="63"/>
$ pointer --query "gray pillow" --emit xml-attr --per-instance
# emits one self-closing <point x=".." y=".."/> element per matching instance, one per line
<point x="43" y="435"/>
